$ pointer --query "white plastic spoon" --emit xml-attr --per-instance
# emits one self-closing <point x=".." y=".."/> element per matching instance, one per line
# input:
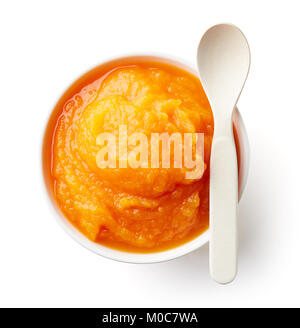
<point x="223" y="63"/>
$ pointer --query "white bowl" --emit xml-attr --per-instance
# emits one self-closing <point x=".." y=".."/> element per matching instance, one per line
<point x="127" y="256"/>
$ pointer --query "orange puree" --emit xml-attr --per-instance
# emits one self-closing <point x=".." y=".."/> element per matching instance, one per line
<point x="132" y="209"/>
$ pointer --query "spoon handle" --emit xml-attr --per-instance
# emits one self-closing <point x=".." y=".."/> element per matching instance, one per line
<point x="223" y="207"/>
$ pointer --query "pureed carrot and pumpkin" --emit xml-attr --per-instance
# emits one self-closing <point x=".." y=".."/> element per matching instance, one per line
<point x="132" y="209"/>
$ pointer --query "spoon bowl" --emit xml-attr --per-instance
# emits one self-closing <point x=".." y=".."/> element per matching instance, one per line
<point x="224" y="59"/>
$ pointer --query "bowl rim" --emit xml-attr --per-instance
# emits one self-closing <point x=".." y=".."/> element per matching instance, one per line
<point x="118" y="255"/>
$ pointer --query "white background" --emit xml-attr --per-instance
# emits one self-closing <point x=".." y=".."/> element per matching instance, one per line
<point x="44" y="46"/>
